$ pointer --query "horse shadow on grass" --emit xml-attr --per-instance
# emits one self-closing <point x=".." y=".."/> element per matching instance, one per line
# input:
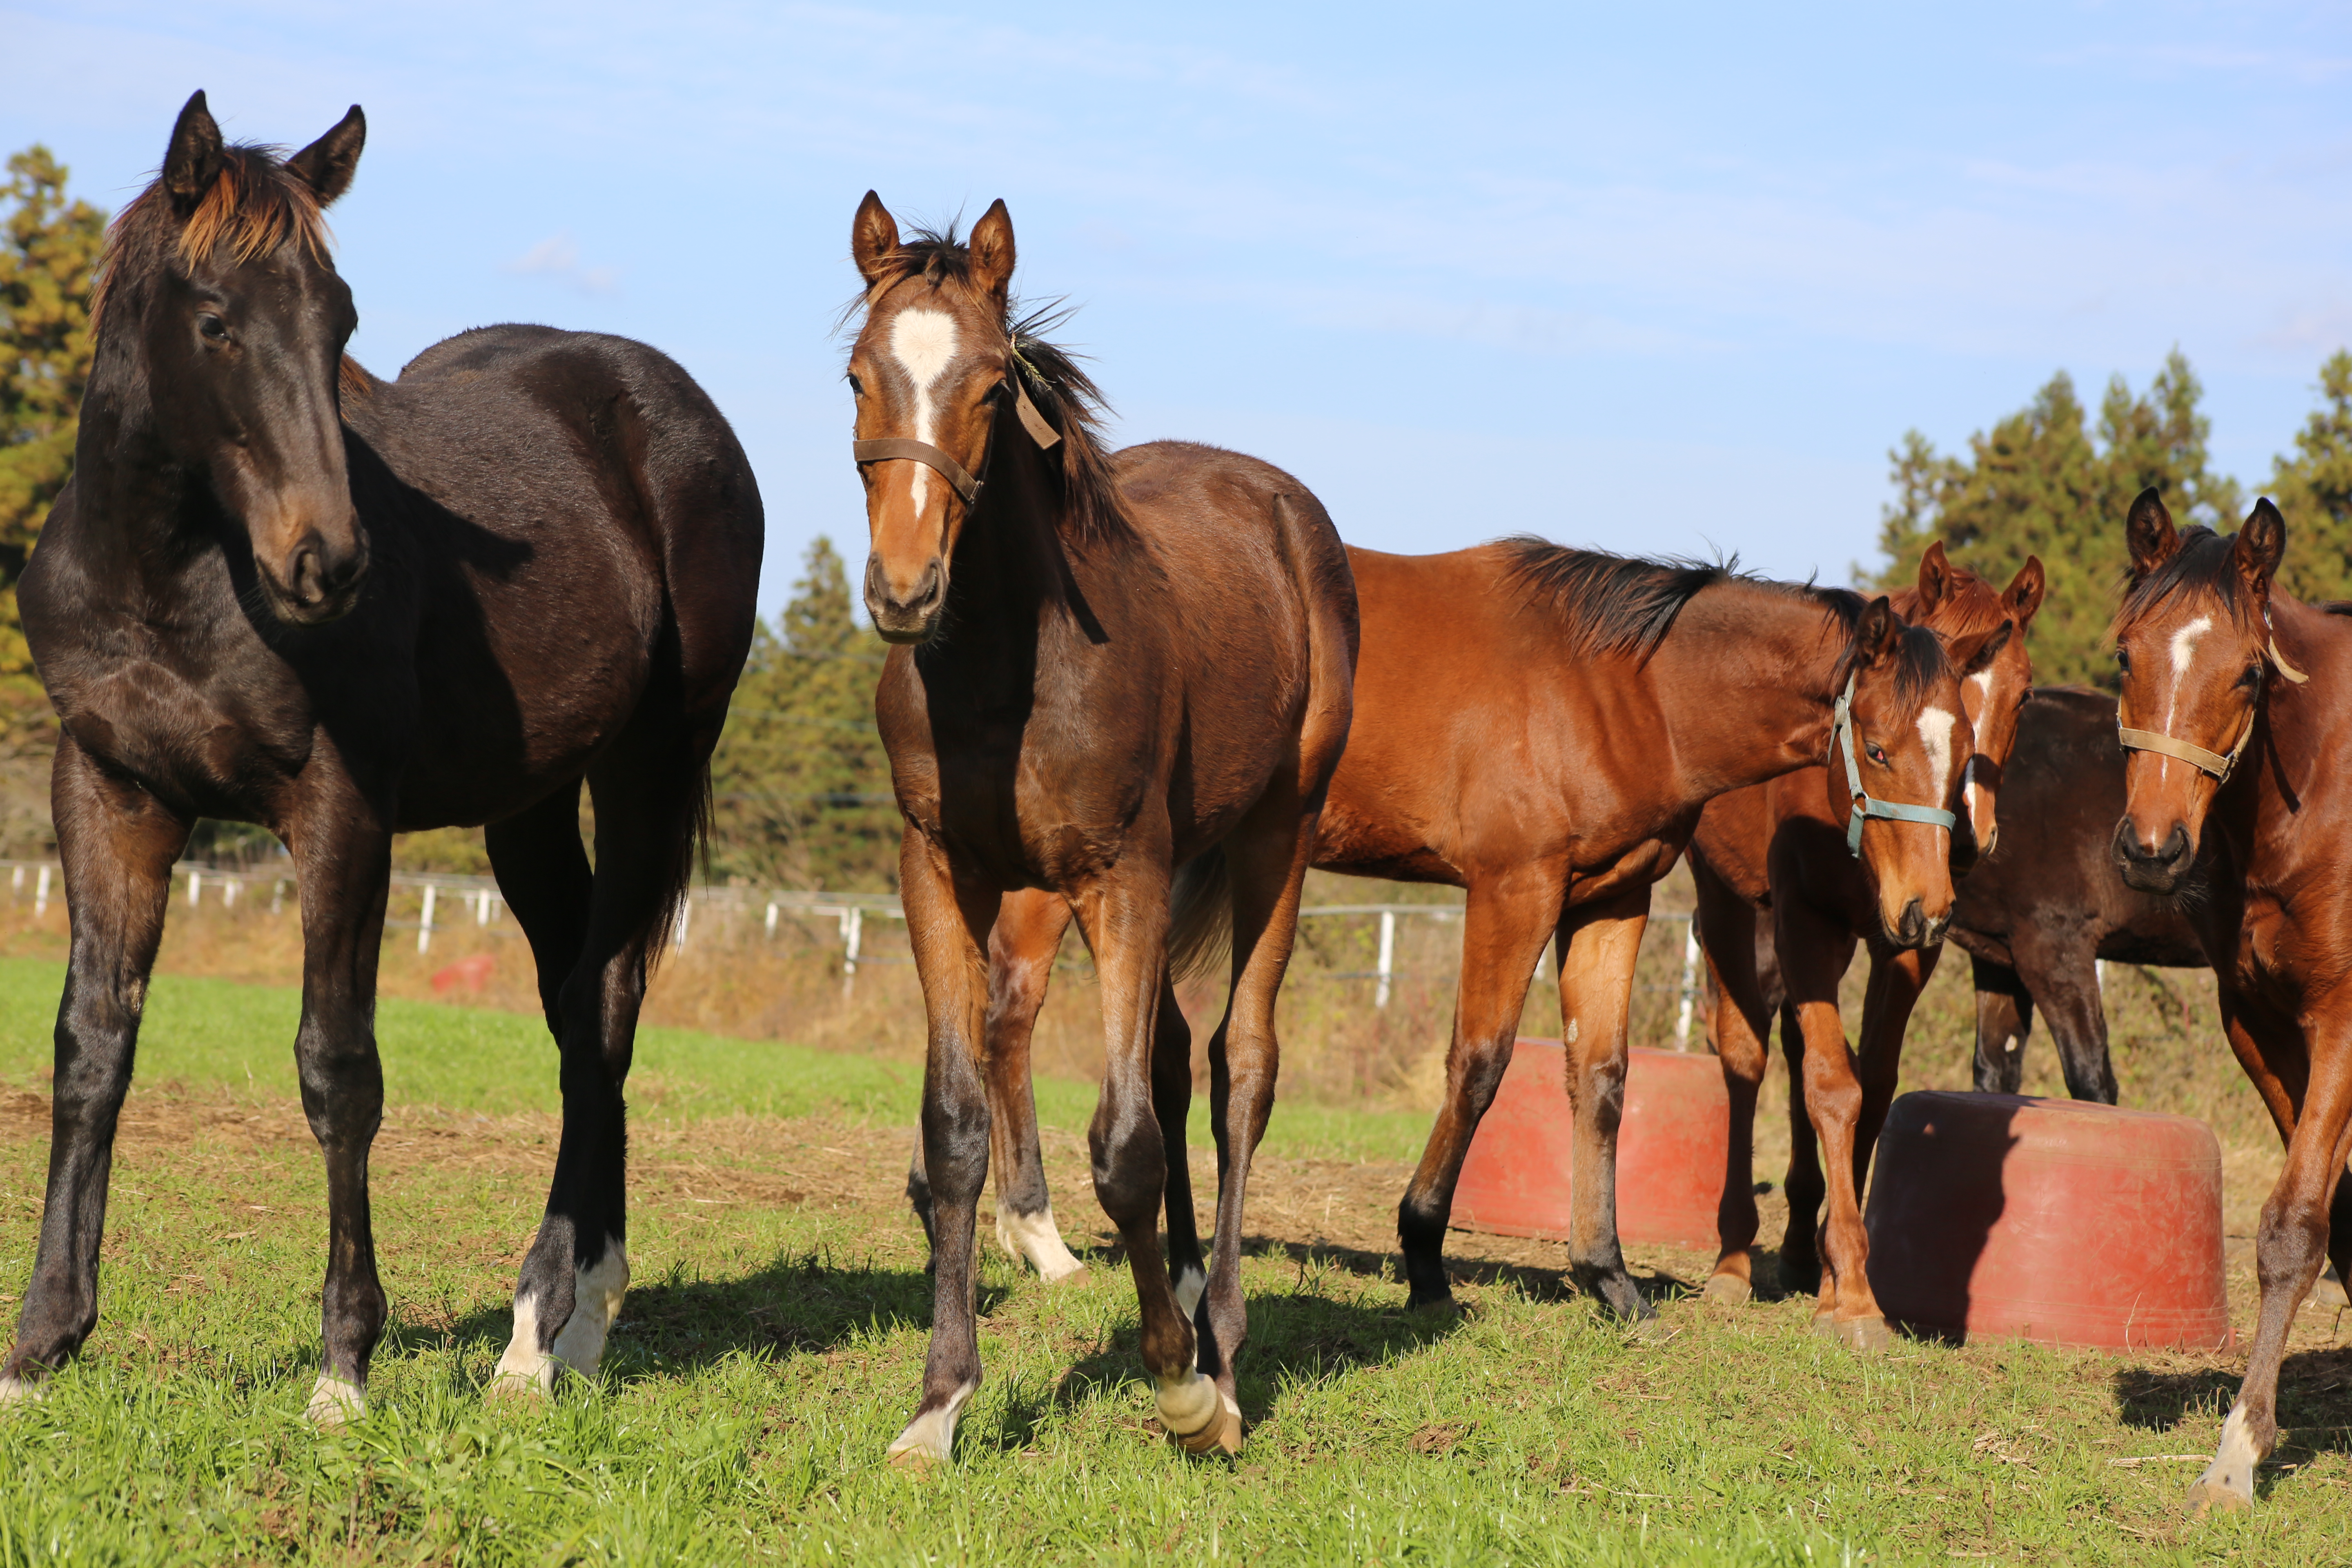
<point x="2314" y="1402"/>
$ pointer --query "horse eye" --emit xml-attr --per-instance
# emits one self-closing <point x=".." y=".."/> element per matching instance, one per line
<point x="2251" y="677"/>
<point x="213" y="327"/>
<point x="1876" y="755"/>
<point x="856" y="387"/>
<point x="2123" y="660"/>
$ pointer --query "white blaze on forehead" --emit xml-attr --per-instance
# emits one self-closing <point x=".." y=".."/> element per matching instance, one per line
<point x="924" y="344"/>
<point x="2184" y="643"/>
<point x="1982" y="681"/>
<point x="1936" y="734"/>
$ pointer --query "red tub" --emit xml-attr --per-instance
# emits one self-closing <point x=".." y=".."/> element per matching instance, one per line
<point x="2055" y="1220"/>
<point x="1671" y="1147"/>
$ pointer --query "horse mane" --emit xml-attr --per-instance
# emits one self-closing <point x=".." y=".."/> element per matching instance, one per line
<point x="1920" y="663"/>
<point x="1625" y="604"/>
<point x="1063" y="393"/>
<point x="1971" y="606"/>
<point x="255" y="206"/>
<point x="2203" y="562"/>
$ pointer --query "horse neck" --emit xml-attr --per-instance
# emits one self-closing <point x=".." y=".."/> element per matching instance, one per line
<point x="129" y="492"/>
<point x="1006" y="577"/>
<point x="1744" y="682"/>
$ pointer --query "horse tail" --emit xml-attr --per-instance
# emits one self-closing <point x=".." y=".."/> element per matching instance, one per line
<point x="1200" y="916"/>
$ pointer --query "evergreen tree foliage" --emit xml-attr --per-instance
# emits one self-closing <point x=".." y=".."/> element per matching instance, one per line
<point x="801" y="784"/>
<point x="2047" y="481"/>
<point x="2313" y="492"/>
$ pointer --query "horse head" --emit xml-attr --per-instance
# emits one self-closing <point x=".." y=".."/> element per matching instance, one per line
<point x="219" y="305"/>
<point x="2193" y="643"/>
<point x="1984" y="633"/>
<point x="1897" y="749"/>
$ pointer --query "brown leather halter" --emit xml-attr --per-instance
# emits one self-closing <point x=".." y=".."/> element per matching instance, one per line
<point x="894" y="448"/>
<point x="2219" y="764"/>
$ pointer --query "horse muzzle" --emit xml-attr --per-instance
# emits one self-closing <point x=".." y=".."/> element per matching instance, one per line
<point x="1915" y="927"/>
<point x="2153" y="868"/>
<point x="906" y="613"/>
<point x="321" y="579"/>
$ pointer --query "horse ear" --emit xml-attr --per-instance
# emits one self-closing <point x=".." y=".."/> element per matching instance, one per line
<point x="194" y="160"/>
<point x="873" y="238"/>
<point x="1879" y="628"/>
<point x="327" y="164"/>
<point x="2024" y="595"/>
<point x="2262" y="545"/>
<point x="992" y="253"/>
<point x="1975" y="655"/>
<point x="1935" y="579"/>
<point x="2148" y="533"/>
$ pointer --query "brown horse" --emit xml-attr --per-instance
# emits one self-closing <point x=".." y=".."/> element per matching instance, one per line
<point x="2234" y="794"/>
<point x="1541" y="726"/>
<point x="1780" y="887"/>
<point x="1109" y="668"/>
<point x="282" y="590"/>
<point x="2036" y="919"/>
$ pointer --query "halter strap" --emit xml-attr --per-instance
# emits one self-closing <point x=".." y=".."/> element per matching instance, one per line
<point x="2214" y="763"/>
<point x="905" y="448"/>
<point x="1865" y="805"/>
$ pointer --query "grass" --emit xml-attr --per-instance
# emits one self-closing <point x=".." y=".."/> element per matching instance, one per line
<point x="773" y="1343"/>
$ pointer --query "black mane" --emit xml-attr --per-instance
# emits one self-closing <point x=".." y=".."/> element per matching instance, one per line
<point x="1625" y="604"/>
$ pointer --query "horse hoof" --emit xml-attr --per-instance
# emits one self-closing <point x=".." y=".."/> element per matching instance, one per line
<point x="1074" y="1277"/>
<point x="914" y="1459"/>
<point x="2214" y="1497"/>
<point x="335" y="1404"/>
<point x="20" y="1390"/>
<point x="1195" y="1412"/>
<point x="1868" y="1335"/>
<point x="1223" y="1435"/>
<point x="1727" y="1290"/>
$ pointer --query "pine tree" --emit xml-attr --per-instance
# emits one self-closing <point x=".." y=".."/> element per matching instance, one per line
<point x="2314" y="491"/>
<point x="801" y="781"/>
<point x="2043" y="482"/>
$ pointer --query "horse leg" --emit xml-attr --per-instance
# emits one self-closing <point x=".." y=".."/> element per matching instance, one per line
<point x="1172" y="1104"/>
<point x="1125" y="915"/>
<point x="1505" y="924"/>
<point x="542" y="872"/>
<point x="1599" y="945"/>
<point x="948" y="920"/>
<point x="1726" y="925"/>
<point x="572" y="1279"/>
<point x="1021" y="953"/>
<point x="1801" y="1185"/>
<point x="118" y="844"/>
<point x="2291" y="1243"/>
<point x="1826" y="1101"/>
<point x="2066" y="978"/>
<point x="1897" y="979"/>
<point x="2004" y="1021"/>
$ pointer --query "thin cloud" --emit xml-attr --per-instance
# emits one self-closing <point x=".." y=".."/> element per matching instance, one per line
<point x="558" y="256"/>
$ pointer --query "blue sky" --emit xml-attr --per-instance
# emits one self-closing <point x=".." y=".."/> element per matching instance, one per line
<point x="1660" y="280"/>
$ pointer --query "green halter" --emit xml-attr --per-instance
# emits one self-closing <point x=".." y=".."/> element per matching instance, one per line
<point x="1865" y="805"/>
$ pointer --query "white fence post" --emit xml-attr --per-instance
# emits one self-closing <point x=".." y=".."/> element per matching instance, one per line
<point x="196" y="886"/>
<point x="1388" y="957"/>
<point x="1690" y="983"/>
<point x="229" y="894"/>
<point x="424" y="926"/>
<point x="771" y="921"/>
<point x="853" y="932"/>
<point x="40" y="893"/>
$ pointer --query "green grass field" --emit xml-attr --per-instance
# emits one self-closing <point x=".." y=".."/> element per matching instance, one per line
<point x="772" y="1344"/>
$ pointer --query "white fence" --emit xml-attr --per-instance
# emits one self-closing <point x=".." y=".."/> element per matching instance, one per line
<point x="480" y="902"/>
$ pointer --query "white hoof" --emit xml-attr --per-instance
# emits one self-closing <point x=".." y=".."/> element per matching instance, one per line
<point x="1190" y="1286"/>
<point x="1198" y="1415"/>
<point x="930" y="1438"/>
<point x="2228" y="1484"/>
<point x="1038" y="1239"/>
<point x="526" y="1368"/>
<point x="20" y="1390"/>
<point x="335" y="1403"/>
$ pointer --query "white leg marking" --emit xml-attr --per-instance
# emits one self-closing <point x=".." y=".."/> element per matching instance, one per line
<point x="930" y="1438"/>
<point x="924" y="344"/>
<point x="596" y="1302"/>
<point x="525" y="1368"/>
<point x="1190" y="1286"/>
<point x="1186" y="1404"/>
<point x="335" y="1402"/>
<point x="1035" y="1237"/>
<point x="20" y="1390"/>
<point x="2232" y="1468"/>
<point x="1936" y="734"/>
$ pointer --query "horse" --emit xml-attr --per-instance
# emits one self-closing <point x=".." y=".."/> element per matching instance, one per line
<point x="2037" y="918"/>
<point x="279" y="590"/>
<point x="1540" y="727"/>
<point x="1785" y="857"/>
<point x="1106" y="668"/>
<point x="2235" y="751"/>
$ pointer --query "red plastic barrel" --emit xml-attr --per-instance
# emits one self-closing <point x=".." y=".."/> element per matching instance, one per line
<point x="2056" y="1220"/>
<point x="1670" y="1146"/>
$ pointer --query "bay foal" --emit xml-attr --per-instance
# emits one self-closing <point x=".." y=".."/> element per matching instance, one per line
<point x="1781" y="878"/>
<point x="1540" y="727"/>
<point x="2238" y="737"/>
<point x="278" y="590"/>
<point x="1108" y="667"/>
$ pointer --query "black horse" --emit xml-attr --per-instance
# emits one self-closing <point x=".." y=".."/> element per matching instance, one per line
<point x="2036" y="916"/>
<point x="280" y="591"/>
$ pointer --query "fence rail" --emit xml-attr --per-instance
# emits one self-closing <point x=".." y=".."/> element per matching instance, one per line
<point x="482" y="900"/>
